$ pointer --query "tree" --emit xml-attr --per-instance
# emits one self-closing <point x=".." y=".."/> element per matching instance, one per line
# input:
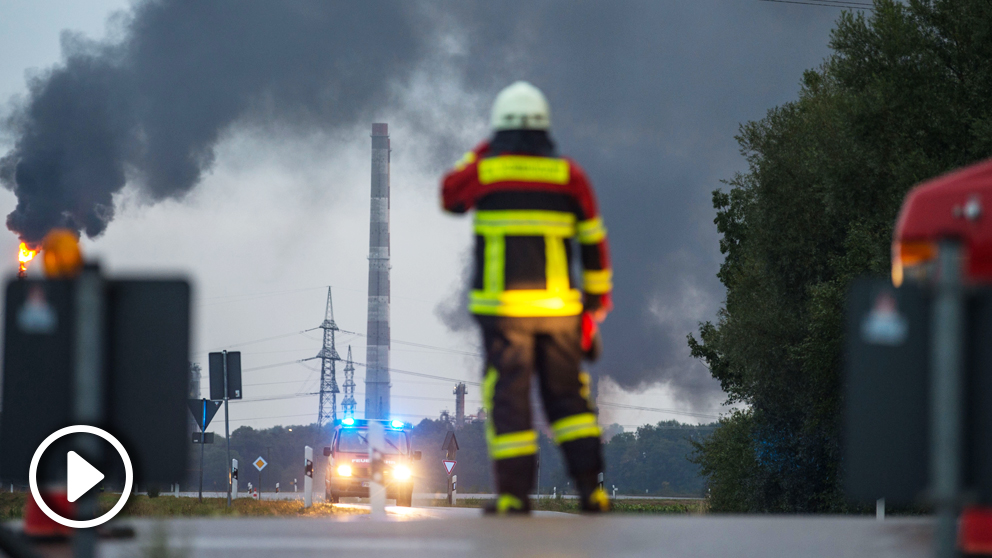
<point x="653" y="460"/>
<point x="904" y="97"/>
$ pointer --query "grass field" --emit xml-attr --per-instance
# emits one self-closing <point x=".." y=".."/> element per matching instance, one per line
<point x="12" y="506"/>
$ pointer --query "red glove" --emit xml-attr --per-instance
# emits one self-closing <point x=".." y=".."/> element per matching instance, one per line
<point x="592" y="342"/>
<point x="598" y="305"/>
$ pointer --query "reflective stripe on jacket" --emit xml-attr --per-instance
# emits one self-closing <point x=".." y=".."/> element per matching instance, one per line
<point x="530" y="211"/>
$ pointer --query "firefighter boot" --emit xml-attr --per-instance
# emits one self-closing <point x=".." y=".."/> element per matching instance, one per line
<point x="592" y="496"/>
<point x="507" y="504"/>
<point x="514" y="480"/>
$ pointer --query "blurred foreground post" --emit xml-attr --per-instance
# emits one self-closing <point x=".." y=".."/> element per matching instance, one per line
<point x="89" y="386"/>
<point x="203" y="439"/>
<point x="450" y="447"/>
<point x="947" y="384"/>
<point x="307" y="477"/>
<point x="227" y="429"/>
<point x="377" y="489"/>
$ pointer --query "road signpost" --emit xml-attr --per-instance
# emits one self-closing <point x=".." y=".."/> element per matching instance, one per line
<point x="203" y="412"/>
<point x="450" y="446"/>
<point x="307" y="477"/>
<point x="234" y="478"/>
<point x="260" y="464"/>
<point x="225" y="383"/>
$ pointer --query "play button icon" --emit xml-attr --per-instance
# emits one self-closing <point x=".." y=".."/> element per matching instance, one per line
<point x="81" y="476"/>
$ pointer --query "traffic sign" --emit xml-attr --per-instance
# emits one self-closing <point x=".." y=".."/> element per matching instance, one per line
<point x="448" y="465"/>
<point x="217" y="366"/>
<point x="450" y="444"/>
<point x="203" y="411"/>
<point x="260" y="463"/>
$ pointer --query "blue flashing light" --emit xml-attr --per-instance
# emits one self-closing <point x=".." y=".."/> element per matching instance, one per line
<point x="396" y="424"/>
<point x="348" y="421"/>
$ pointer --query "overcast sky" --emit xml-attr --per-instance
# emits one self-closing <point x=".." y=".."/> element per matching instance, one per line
<point x="647" y="96"/>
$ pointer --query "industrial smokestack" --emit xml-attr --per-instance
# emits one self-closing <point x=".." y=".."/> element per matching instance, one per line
<point x="460" y="404"/>
<point x="377" y="352"/>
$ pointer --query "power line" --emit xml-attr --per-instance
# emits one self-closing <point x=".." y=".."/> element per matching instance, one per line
<point x="312" y="393"/>
<point x="456" y="380"/>
<point x="253" y="296"/>
<point x="311" y="414"/>
<point x="275" y="417"/>
<point x="655" y="409"/>
<point x="263" y="339"/>
<point x="303" y="332"/>
<point x="422" y="375"/>
<point x="424" y="346"/>
<point x="827" y="3"/>
<point x="432" y="376"/>
<point x="843" y="2"/>
<point x="277" y="365"/>
<point x="275" y="397"/>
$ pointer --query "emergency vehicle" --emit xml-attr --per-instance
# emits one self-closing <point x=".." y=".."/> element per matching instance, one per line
<point x="349" y="471"/>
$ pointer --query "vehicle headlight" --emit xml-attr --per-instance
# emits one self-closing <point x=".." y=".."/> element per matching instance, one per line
<point x="401" y="472"/>
<point x="344" y="471"/>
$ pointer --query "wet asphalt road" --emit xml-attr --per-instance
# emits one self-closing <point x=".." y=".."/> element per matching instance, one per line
<point x="445" y="532"/>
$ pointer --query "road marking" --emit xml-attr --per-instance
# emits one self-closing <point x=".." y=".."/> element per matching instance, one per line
<point x="331" y="543"/>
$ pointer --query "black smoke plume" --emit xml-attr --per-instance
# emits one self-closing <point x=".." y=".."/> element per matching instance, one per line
<point x="647" y="96"/>
<point x="152" y="107"/>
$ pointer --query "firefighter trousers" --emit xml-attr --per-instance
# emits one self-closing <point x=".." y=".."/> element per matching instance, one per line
<point x="548" y="347"/>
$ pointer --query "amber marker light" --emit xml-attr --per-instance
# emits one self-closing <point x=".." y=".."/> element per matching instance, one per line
<point x="61" y="255"/>
<point x="910" y="259"/>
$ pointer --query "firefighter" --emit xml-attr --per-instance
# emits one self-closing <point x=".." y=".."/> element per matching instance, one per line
<point x="531" y="206"/>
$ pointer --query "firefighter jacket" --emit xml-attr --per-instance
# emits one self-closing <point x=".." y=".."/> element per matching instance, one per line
<point x="528" y="210"/>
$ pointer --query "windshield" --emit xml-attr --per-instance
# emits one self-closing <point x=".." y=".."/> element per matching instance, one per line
<point x="355" y="441"/>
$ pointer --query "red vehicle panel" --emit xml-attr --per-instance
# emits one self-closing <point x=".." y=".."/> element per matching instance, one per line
<point x="950" y="206"/>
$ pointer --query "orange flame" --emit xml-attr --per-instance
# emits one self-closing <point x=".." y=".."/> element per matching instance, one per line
<point x="24" y="257"/>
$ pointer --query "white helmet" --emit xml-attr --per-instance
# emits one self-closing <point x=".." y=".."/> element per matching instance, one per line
<point x="521" y="106"/>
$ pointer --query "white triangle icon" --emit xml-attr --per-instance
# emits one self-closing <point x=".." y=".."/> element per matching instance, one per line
<point x="448" y="464"/>
<point x="81" y="476"/>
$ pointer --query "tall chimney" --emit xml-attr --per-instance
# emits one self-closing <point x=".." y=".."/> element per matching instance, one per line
<point x="459" y="404"/>
<point x="377" y="352"/>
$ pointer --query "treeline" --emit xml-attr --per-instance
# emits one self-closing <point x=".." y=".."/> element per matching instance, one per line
<point x="281" y="446"/>
<point x="652" y="460"/>
<point x="903" y="97"/>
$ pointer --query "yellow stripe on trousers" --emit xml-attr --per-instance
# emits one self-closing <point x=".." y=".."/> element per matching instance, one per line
<point x="583" y="425"/>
